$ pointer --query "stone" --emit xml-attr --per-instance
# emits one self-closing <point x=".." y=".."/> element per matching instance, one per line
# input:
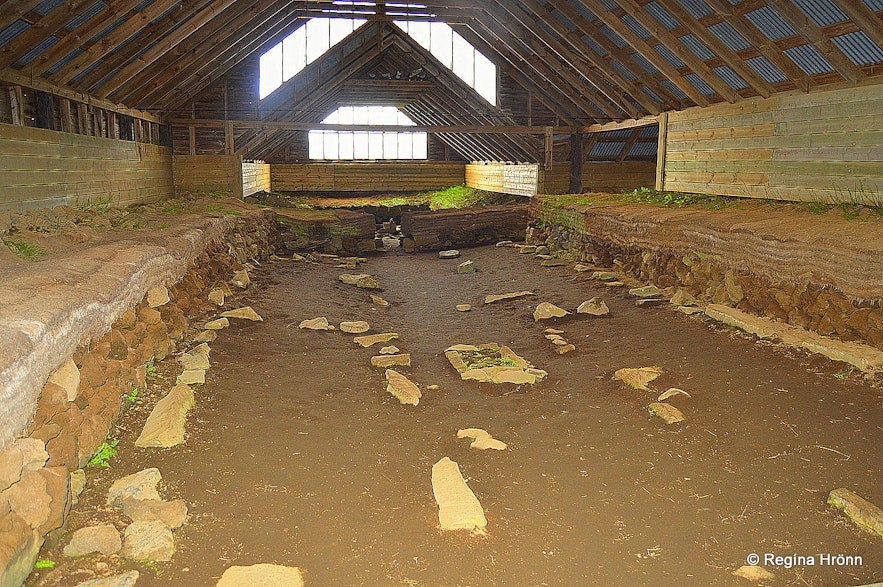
<point x="148" y="541"/>
<point x="402" y="388"/>
<point x="689" y="310"/>
<point x="297" y="257"/>
<point x="165" y="424"/>
<point x="11" y="465"/>
<point x="124" y="580"/>
<point x="30" y="499"/>
<point x="552" y="263"/>
<point x="450" y="254"/>
<point x="466" y="267"/>
<point x="320" y="323"/>
<point x="389" y="350"/>
<point x="218" y="324"/>
<point x="19" y="547"/>
<point x="171" y="513"/>
<point x="191" y="377"/>
<point x="140" y="485"/>
<point x="614" y="284"/>
<point x="732" y="287"/>
<point x="372" y="339"/>
<point x="355" y="327"/>
<point x="671" y="392"/>
<point x="57" y="480"/>
<point x="379" y="301"/>
<point x="216" y="296"/>
<point x="506" y="296"/>
<point x="553" y="331"/>
<point x="103" y="539"/>
<point x="384" y="361"/>
<point x="504" y="244"/>
<point x="556" y="339"/>
<point x="158" y="296"/>
<point x="580" y="268"/>
<point x="68" y="378"/>
<point x="604" y="276"/>
<point x="362" y="280"/>
<point x="546" y="311"/>
<point x="244" y="313"/>
<point x="593" y="307"/>
<point x="206" y="336"/>
<point x="542" y="250"/>
<point x="241" y="279"/>
<point x="649" y="302"/>
<point x="464" y="307"/>
<point x="647" y="291"/>
<point x="668" y="413"/>
<point x="544" y="257"/>
<point x="481" y="439"/>
<point x="866" y="515"/>
<point x="754" y="573"/>
<point x="194" y="361"/>
<point x="683" y="298"/>
<point x="564" y="349"/>
<point x="458" y="508"/>
<point x="262" y="575"/>
<point x="638" y="378"/>
<point x="526" y="249"/>
<point x="78" y="483"/>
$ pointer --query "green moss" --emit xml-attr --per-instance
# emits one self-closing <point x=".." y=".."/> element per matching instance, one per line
<point x="44" y="564"/>
<point x="678" y="199"/>
<point x="105" y="452"/>
<point x="24" y="249"/>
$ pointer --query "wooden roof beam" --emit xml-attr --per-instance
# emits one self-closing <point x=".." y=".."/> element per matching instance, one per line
<point x="13" y="10"/>
<point x="40" y="30"/>
<point x="864" y="17"/>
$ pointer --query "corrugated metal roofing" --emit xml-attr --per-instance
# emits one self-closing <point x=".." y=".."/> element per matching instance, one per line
<point x="700" y="84"/>
<point x="661" y="15"/>
<point x="676" y="91"/>
<point x="624" y="71"/>
<point x="47" y="6"/>
<point x="729" y="36"/>
<point x="643" y="62"/>
<point x="653" y="95"/>
<point x="697" y="47"/>
<point x="766" y="69"/>
<point x="649" y="131"/>
<point x="607" y="150"/>
<point x="12" y="31"/>
<point x="81" y="19"/>
<point x="875" y="5"/>
<point x="623" y="133"/>
<point x="733" y="79"/>
<point x="821" y="12"/>
<point x="636" y="27"/>
<point x="669" y="56"/>
<point x="859" y="47"/>
<point x="561" y="17"/>
<point x="70" y="57"/>
<point x="608" y="32"/>
<point x="809" y="59"/>
<point x="108" y="29"/>
<point x="610" y="4"/>
<point x="581" y="8"/>
<point x="86" y="71"/>
<point x="35" y="52"/>
<point x="594" y="46"/>
<point x="697" y="8"/>
<point x="642" y="150"/>
<point x="770" y="23"/>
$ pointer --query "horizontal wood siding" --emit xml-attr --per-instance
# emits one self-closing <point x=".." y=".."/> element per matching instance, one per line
<point x="42" y="168"/>
<point x="601" y="176"/>
<point x="824" y="146"/>
<point x="518" y="180"/>
<point x="365" y="177"/>
<point x="255" y="177"/>
<point x="208" y="173"/>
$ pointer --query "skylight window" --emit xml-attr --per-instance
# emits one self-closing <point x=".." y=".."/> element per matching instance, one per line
<point x="362" y="145"/>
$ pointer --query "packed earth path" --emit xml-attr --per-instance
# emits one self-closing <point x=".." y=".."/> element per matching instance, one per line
<point x="297" y="455"/>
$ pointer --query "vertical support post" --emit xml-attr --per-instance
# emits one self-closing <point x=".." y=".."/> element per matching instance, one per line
<point x="547" y="148"/>
<point x="576" y="163"/>
<point x="82" y="118"/>
<point x="192" y="130"/>
<point x="529" y="108"/>
<point x="101" y="125"/>
<point x="67" y="120"/>
<point x="16" y="102"/>
<point x="660" y="151"/>
<point x="44" y="110"/>
<point x="228" y="137"/>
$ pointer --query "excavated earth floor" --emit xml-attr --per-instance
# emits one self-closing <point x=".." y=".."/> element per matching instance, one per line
<point x="297" y="455"/>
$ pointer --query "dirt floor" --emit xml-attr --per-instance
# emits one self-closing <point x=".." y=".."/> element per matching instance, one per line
<point x="296" y="455"/>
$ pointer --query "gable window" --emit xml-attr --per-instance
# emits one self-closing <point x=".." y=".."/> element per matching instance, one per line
<point x="362" y="145"/>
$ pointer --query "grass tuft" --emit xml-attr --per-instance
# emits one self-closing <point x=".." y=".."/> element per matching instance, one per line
<point x="105" y="452"/>
<point x="24" y="250"/>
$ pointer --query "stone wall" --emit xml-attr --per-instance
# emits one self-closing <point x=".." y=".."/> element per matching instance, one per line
<point x="77" y="407"/>
<point x="773" y="267"/>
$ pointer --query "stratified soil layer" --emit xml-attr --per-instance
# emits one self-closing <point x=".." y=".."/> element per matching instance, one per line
<point x="297" y="456"/>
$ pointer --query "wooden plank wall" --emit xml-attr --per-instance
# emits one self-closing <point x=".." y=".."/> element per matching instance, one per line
<point x="518" y="180"/>
<point x="255" y="177"/>
<point x="823" y="146"/>
<point x="600" y="176"/>
<point x="365" y="177"/>
<point x="208" y="173"/>
<point x="41" y="168"/>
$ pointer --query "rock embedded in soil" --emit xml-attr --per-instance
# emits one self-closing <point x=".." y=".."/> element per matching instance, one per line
<point x="320" y="323"/>
<point x="372" y="339"/>
<point x="68" y="378"/>
<point x="78" y="484"/>
<point x="580" y="268"/>
<point x="216" y="296"/>
<point x="546" y="311"/>
<point x="165" y="424"/>
<point x="564" y="349"/>
<point x="593" y="307"/>
<point x="241" y="279"/>
<point x="244" y="313"/>
<point x="689" y="310"/>
<point x="464" y="307"/>
<point x="506" y="296"/>
<point x="614" y="284"/>
<point x="379" y="301"/>
<point x="866" y="515"/>
<point x="384" y="361"/>
<point x="638" y="378"/>
<point x="191" y="377"/>
<point x="152" y="541"/>
<point x="668" y="413"/>
<point x="553" y="331"/>
<point x="449" y="254"/>
<point x="124" y="580"/>
<point x="103" y="539"/>
<point x="552" y="263"/>
<point x="542" y="250"/>
<point x="389" y="350"/>
<point x="683" y="298"/>
<point x="355" y="327"/>
<point x="754" y="573"/>
<point x="504" y="244"/>
<point x="206" y="336"/>
<point x="458" y="508"/>
<point x="158" y="296"/>
<point x="481" y="439"/>
<point x="402" y="388"/>
<point x="261" y="575"/>
<point x="218" y="324"/>
<point x="604" y="276"/>
<point x="194" y="361"/>
<point x="647" y="302"/>
<point x="19" y="546"/>
<point x="171" y="513"/>
<point x="140" y="485"/>
<point x="361" y="280"/>
<point x="527" y="249"/>
<point x="671" y="392"/>
<point x="466" y="267"/>
<point x="647" y="291"/>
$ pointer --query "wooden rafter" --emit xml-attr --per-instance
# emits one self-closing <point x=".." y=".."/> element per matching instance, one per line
<point x="40" y="30"/>
<point x="864" y="17"/>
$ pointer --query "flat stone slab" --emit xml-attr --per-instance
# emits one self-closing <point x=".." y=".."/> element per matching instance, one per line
<point x="492" y="363"/>
<point x="668" y="413"/>
<point x="866" y="515"/>
<point x="458" y="508"/>
<point x="647" y="291"/>
<point x="320" y="323"/>
<point x="165" y="424"/>
<point x="865" y="357"/>
<point x="362" y="280"/>
<point x="191" y="377"/>
<point x="206" y="336"/>
<point x="372" y="339"/>
<point x="638" y="378"/>
<point x="506" y="296"/>
<point x="124" y="580"/>
<point x="466" y="267"/>
<point x="604" y="276"/>
<point x="671" y="392"/>
<point x="140" y="485"/>
<point x="379" y="301"/>
<point x="241" y="279"/>
<point x="355" y="327"/>
<point x="449" y="254"/>
<point x="384" y="361"/>
<point x="754" y="573"/>
<point x="481" y="439"/>
<point x="103" y="539"/>
<point x="216" y="296"/>
<point x="194" y="361"/>
<point x="402" y="388"/>
<point x="171" y="513"/>
<point x="152" y="541"/>
<point x="68" y="378"/>
<point x="262" y="575"/>
<point x="389" y="350"/>
<point x="593" y="307"/>
<point x="648" y="302"/>
<point x="564" y="349"/>
<point x="218" y="324"/>
<point x="158" y="296"/>
<point x="464" y="307"/>
<point x="244" y="313"/>
<point x="683" y="298"/>
<point x="547" y="311"/>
